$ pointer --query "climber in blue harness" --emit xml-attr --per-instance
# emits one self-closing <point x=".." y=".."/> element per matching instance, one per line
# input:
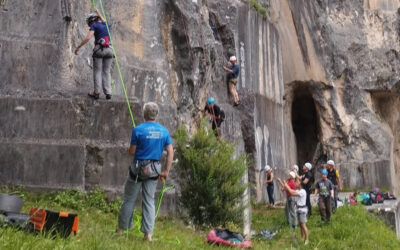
<point x="102" y="54"/>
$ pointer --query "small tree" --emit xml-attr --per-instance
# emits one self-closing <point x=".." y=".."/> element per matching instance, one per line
<point x="210" y="177"/>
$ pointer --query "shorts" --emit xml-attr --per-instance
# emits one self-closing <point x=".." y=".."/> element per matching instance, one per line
<point x="302" y="217"/>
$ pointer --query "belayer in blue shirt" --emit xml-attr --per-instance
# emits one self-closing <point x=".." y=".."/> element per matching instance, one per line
<point x="148" y="141"/>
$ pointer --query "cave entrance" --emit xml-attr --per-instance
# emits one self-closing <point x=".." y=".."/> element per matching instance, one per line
<point x="305" y="124"/>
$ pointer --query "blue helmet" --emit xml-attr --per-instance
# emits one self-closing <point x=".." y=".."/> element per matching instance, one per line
<point x="210" y="100"/>
<point x="324" y="171"/>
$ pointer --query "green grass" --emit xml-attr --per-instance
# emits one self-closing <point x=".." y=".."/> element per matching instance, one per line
<point x="351" y="228"/>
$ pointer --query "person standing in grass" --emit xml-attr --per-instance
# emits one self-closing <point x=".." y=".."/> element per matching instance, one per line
<point x="270" y="184"/>
<point x="306" y="182"/>
<point x="148" y="141"/>
<point x="290" y="207"/>
<point x="324" y="188"/>
<point x="300" y="198"/>
<point x="334" y="177"/>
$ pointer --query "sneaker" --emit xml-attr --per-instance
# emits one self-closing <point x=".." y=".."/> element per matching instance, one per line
<point x="108" y="97"/>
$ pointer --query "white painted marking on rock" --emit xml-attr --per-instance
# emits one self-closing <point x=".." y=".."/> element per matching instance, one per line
<point x="19" y="108"/>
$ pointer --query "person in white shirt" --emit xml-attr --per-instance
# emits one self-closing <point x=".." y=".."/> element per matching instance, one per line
<point x="301" y="197"/>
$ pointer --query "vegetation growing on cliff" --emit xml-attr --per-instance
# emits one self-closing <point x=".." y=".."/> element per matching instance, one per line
<point x="263" y="11"/>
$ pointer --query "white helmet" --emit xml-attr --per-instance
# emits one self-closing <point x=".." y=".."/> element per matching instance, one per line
<point x="267" y="168"/>
<point x="330" y="162"/>
<point x="292" y="174"/>
<point x="308" y="165"/>
<point x="295" y="167"/>
<point x="232" y="58"/>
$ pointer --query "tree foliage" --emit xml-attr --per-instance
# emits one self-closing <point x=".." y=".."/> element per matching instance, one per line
<point x="210" y="177"/>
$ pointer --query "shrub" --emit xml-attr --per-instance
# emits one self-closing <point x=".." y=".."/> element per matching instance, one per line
<point x="210" y="177"/>
<point x="263" y="11"/>
<point x="95" y="198"/>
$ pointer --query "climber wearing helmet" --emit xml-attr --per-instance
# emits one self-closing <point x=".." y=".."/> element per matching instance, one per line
<point x="290" y="207"/>
<point x="102" y="54"/>
<point x="217" y="115"/>
<point x="324" y="188"/>
<point x="334" y="177"/>
<point x="270" y="184"/>
<point x="233" y="73"/>
<point x="306" y="182"/>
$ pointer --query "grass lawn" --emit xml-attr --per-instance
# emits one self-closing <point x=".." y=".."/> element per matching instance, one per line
<point x="351" y="228"/>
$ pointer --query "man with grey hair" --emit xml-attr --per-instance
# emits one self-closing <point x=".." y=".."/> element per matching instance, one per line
<point x="148" y="141"/>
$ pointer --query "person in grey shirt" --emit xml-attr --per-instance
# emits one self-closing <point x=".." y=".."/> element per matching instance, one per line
<point x="324" y="188"/>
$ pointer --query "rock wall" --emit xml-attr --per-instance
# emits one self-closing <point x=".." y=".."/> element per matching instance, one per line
<point x="343" y="57"/>
<point x="171" y="52"/>
<point x="318" y="80"/>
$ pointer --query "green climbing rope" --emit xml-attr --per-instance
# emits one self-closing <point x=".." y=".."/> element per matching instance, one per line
<point x="161" y="195"/>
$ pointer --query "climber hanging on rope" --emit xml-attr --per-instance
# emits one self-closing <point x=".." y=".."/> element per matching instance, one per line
<point x="102" y="54"/>
<point x="233" y="73"/>
<point x="216" y="113"/>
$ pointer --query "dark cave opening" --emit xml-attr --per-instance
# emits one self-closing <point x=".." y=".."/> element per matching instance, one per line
<point x="305" y="124"/>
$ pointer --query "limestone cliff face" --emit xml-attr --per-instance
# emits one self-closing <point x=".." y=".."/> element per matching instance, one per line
<point x="318" y="80"/>
<point x="342" y="58"/>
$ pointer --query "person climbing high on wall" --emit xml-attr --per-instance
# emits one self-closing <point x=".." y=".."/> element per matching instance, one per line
<point x="270" y="184"/>
<point x="216" y="113"/>
<point x="233" y="73"/>
<point x="334" y="177"/>
<point x="102" y="54"/>
<point x="306" y="182"/>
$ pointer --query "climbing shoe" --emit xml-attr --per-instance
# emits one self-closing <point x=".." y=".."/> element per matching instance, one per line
<point x="94" y="96"/>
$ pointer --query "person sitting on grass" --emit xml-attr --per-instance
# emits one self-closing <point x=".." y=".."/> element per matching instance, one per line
<point x="324" y="188"/>
<point x="300" y="198"/>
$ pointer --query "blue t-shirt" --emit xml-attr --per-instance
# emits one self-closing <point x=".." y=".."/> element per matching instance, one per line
<point x="100" y="30"/>
<point x="150" y="139"/>
<point x="235" y="69"/>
